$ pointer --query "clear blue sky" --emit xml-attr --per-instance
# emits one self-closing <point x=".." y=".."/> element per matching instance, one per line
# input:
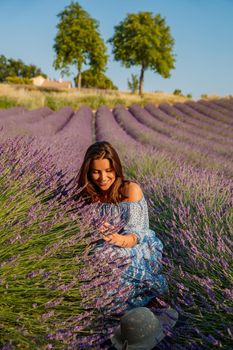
<point x="202" y="29"/>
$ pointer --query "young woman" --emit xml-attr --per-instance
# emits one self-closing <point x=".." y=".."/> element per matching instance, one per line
<point x="103" y="182"/>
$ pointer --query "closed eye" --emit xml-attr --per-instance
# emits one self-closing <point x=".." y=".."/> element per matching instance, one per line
<point x="96" y="171"/>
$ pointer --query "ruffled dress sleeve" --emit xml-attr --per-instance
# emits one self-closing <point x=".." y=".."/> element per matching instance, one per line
<point x="135" y="215"/>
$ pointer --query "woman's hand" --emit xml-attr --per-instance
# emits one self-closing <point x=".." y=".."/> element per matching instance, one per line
<point x="114" y="237"/>
<point x="105" y="228"/>
<point x="123" y="241"/>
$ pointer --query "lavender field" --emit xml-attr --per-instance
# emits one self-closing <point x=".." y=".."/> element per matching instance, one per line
<point x="57" y="292"/>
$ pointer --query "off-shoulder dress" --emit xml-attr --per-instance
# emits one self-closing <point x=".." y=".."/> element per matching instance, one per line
<point x="144" y="271"/>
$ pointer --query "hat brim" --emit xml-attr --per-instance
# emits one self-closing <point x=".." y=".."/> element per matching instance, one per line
<point x="117" y="342"/>
<point x="167" y="318"/>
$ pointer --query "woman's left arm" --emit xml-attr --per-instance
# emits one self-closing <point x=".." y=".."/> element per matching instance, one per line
<point x="129" y="239"/>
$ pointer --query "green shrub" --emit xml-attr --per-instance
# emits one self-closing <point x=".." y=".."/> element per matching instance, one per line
<point x="6" y="102"/>
<point x="91" y="79"/>
<point x="177" y="92"/>
<point x="18" y="80"/>
<point x="133" y="84"/>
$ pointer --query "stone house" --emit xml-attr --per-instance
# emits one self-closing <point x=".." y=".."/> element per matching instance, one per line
<point x="57" y="84"/>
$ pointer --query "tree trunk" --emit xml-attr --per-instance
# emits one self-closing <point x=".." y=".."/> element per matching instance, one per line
<point x="141" y="79"/>
<point x="79" y="78"/>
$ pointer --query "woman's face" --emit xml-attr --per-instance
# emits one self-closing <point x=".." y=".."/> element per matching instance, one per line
<point x="102" y="173"/>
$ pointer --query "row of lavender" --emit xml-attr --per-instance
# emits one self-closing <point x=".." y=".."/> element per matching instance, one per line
<point x="64" y="135"/>
<point x="201" y="114"/>
<point x="200" y="151"/>
<point x="196" y="132"/>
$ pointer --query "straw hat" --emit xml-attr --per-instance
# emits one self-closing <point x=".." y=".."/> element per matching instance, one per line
<point x="141" y="329"/>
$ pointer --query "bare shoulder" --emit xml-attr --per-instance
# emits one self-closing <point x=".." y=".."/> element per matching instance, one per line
<point x="133" y="191"/>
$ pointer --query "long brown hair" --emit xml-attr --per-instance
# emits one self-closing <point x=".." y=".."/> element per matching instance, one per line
<point x="90" y="192"/>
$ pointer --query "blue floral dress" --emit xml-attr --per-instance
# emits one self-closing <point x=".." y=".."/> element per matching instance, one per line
<point x="144" y="271"/>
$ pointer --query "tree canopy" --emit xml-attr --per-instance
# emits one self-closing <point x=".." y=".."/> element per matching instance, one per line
<point x="10" y="67"/>
<point x="144" y="39"/>
<point x="78" y="42"/>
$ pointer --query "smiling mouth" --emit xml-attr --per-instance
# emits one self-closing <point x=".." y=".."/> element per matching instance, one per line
<point x="103" y="184"/>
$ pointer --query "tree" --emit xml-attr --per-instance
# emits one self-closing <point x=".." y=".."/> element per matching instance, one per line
<point x="144" y="39"/>
<point x="133" y="83"/>
<point x="9" y="67"/>
<point x="78" y="42"/>
<point x="31" y="71"/>
<point x="3" y="68"/>
<point x="91" y="79"/>
<point x="18" y="80"/>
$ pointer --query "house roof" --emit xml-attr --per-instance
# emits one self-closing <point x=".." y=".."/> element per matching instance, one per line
<point x="56" y="84"/>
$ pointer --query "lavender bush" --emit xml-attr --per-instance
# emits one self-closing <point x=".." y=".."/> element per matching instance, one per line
<point x="183" y="132"/>
<point x="184" y="113"/>
<point x="189" y="153"/>
<point x="5" y="113"/>
<point x="191" y="211"/>
<point x="217" y="107"/>
<point x="226" y="103"/>
<point x="58" y="292"/>
<point x="69" y="144"/>
<point x="214" y="114"/>
<point x="64" y="135"/>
